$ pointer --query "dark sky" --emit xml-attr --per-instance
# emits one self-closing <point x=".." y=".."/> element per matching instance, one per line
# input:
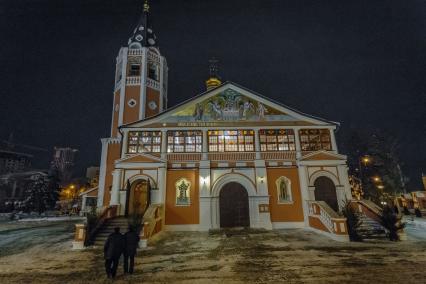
<point x="361" y="63"/>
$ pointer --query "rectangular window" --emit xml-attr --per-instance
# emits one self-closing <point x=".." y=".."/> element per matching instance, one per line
<point x="144" y="141"/>
<point x="276" y="140"/>
<point x="134" y="70"/>
<point x="315" y="139"/>
<point x="231" y="140"/>
<point x="184" y="141"/>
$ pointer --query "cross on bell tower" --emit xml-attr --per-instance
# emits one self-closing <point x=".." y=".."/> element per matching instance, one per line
<point x="214" y="79"/>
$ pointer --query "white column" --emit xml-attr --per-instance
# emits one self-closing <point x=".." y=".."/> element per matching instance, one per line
<point x="204" y="148"/>
<point x="333" y="141"/>
<point x="115" y="192"/>
<point x="102" y="172"/>
<point x="122" y="87"/>
<point x="304" y="183"/>
<point x="124" y="148"/>
<point x="164" y="144"/>
<point x="297" y="142"/>
<point x="257" y="144"/>
<point x="161" y="183"/>
<point x="205" y="196"/>
<point x="144" y="70"/>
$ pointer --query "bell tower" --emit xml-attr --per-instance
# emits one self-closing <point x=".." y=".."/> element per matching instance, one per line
<point x="140" y="89"/>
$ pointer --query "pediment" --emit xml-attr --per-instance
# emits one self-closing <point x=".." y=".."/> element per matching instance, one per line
<point x="229" y="104"/>
<point x="140" y="158"/>
<point x="323" y="155"/>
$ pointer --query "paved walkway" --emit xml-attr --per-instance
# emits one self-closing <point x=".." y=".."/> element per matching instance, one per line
<point x="292" y="256"/>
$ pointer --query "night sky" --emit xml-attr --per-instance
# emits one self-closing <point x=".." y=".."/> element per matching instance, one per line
<point x="362" y="63"/>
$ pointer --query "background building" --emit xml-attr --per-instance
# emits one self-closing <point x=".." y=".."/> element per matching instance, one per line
<point x="63" y="162"/>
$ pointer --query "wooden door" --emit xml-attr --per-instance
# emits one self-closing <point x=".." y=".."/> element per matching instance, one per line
<point x="234" y="206"/>
<point x="139" y="198"/>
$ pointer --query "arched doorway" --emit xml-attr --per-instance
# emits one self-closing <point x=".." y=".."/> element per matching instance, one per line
<point x="234" y="206"/>
<point x="138" y="197"/>
<point x="325" y="190"/>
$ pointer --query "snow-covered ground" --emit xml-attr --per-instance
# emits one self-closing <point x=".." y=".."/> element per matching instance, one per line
<point x="40" y="252"/>
<point x="415" y="228"/>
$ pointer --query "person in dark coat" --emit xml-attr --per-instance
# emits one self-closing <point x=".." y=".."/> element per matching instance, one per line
<point x="113" y="249"/>
<point x="131" y="242"/>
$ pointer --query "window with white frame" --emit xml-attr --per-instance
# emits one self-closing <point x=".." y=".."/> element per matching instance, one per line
<point x="231" y="140"/>
<point x="184" y="141"/>
<point x="276" y="140"/>
<point x="315" y="139"/>
<point x="183" y="192"/>
<point x="144" y="141"/>
<point x="283" y="190"/>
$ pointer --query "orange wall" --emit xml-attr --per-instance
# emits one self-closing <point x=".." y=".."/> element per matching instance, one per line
<point x="112" y="155"/>
<point x="131" y="114"/>
<point x="317" y="224"/>
<point x="152" y="95"/>
<point x="179" y="215"/>
<point x="115" y="114"/>
<point x="292" y="212"/>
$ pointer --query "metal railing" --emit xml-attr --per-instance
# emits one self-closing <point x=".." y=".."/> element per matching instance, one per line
<point x="91" y="231"/>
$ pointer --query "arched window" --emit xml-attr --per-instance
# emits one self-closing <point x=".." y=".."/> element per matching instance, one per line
<point x="183" y="193"/>
<point x="135" y="45"/>
<point x="283" y="190"/>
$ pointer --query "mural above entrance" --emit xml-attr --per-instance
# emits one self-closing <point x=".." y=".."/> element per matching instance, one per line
<point x="229" y="105"/>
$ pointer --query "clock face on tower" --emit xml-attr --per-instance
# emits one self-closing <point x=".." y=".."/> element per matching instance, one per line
<point x="152" y="105"/>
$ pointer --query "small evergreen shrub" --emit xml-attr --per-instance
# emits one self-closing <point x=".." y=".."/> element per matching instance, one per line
<point x="418" y="212"/>
<point x="353" y="221"/>
<point x="406" y="212"/>
<point x="392" y="223"/>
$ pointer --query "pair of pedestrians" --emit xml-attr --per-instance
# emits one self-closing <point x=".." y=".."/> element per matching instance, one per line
<point x="118" y="244"/>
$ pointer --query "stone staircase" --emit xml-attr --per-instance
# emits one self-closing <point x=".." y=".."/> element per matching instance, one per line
<point x="108" y="228"/>
<point x="371" y="230"/>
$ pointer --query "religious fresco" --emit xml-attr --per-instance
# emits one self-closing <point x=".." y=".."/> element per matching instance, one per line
<point x="229" y="105"/>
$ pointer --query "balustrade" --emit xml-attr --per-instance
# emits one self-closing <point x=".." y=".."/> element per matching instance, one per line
<point x="133" y="81"/>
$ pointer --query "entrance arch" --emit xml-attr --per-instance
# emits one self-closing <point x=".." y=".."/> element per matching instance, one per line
<point x="138" y="197"/>
<point x="247" y="184"/>
<point x="234" y="206"/>
<point x="325" y="190"/>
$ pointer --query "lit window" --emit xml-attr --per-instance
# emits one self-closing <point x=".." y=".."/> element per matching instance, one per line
<point x="144" y="141"/>
<point x="231" y="140"/>
<point x="276" y="140"/>
<point x="315" y="139"/>
<point x="183" y="192"/>
<point x="283" y="189"/>
<point x="184" y="141"/>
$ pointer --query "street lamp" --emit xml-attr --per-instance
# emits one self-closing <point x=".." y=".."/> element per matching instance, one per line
<point x="366" y="160"/>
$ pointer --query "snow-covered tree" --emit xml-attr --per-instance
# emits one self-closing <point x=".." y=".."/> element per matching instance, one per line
<point x="382" y="175"/>
<point x="42" y="193"/>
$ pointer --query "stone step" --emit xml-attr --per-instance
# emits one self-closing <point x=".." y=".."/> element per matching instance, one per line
<point x="371" y="230"/>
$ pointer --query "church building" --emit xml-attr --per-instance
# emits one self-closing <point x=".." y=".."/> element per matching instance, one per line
<point x="228" y="157"/>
